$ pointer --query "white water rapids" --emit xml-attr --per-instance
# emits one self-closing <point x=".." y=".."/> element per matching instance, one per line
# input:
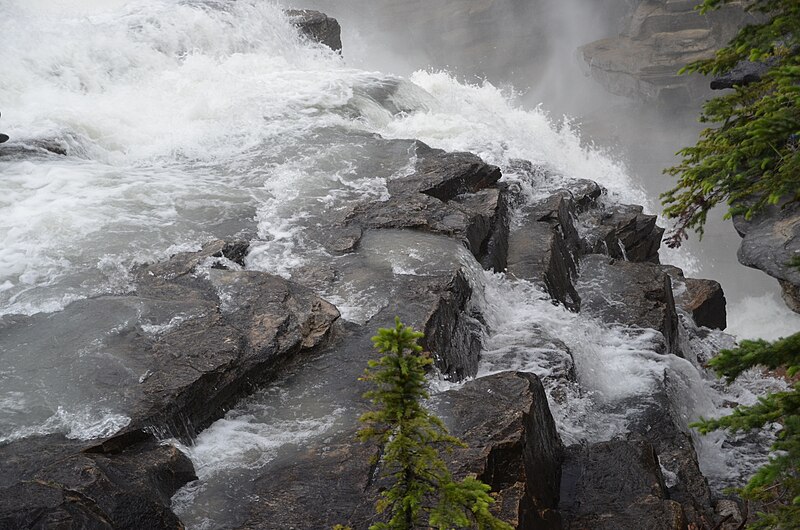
<point x="186" y="121"/>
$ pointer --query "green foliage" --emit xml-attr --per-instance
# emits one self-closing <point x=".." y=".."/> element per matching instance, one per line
<point x="777" y="484"/>
<point x="750" y="157"/>
<point x="410" y="438"/>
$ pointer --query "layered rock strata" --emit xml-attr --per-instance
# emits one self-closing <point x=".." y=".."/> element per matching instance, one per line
<point x="660" y="38"/>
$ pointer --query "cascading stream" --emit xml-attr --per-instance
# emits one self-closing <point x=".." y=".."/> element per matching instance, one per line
<point x="185" y="121"/>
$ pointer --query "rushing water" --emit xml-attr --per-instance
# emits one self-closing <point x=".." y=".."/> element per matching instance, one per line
<point x="186" y="121"/>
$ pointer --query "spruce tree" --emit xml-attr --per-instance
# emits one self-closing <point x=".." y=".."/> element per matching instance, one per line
<point x="777" y="484"/>
<point x="422" y="489"/>
<point x="750" y="156"/>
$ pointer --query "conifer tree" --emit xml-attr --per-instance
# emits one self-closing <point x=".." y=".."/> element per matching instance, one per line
<point x="777" y="484"/>
<point x="422" y="490"/>
<point x="750" y="156"/>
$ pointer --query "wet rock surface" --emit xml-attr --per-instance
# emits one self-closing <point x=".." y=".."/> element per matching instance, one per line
<point x="454" y="194"/>
<point x="317" y="26"/>
<point x="614" y="485"/>
<point x="637" y="295"/>
<point x="244" y="324"/>
<point x="239" y="327"/>
<point x="661" y="424"/>
<point x="542" y="249"/>
<point x="623" y="231"/>
<point x="203" y="333"/>
<point x="770" y="241"/>
<point x="659" y="39"/>
<point x="60" y="483"/>
<point x="512" y="444"/>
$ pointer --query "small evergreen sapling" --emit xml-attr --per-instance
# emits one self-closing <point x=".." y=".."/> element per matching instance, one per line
<point x="422" y="489"/>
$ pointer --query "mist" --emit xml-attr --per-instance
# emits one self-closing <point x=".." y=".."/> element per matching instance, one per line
<point x="529" y="48"/>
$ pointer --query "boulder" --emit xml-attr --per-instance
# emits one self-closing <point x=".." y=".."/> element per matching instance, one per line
<point x="704" y="300"/>
<point x="770" y="241"/>
<point x="318" y="27"/>
<point x="256" y="322"/>
<point x="455" y="194"/>
<point x="512" y="445"/>
<point x="637" y="295"/>
<point x="198" y="334"/>
<point x="614" y="485"/>
<point x="542" y="248"/>
<point x="661" y="425"/>
<point x="623" y="231"/>
<point x="60" y="483"/>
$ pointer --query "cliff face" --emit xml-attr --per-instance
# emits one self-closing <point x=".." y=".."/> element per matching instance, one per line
<point x="659" y="38"/>
<point x="502" y="40"/>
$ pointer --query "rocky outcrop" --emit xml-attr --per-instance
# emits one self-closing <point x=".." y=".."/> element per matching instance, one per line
<point x="542" y="249"/>
<point x="512" y="446"/>
<point x="242" y="326"/>
<point x="624" y="232"/>
<point x="704" y="300"/>
<point x="770" y="241"/>
<point x="614" y="485"/>
<point x="52" y="482"/>
<point x="318" y="27"/>
<point x="634" y="295"/>
<point x="660" y="38"/>
<point x="454" y="194"/>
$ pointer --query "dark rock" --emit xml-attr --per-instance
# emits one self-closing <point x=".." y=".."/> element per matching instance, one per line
<point x="615" y="485"/>
<point x="317" y="26"/>
<point x="319" y="487"/>
<point x="584" y="193"/>
<point x="660" y="424"/>
<point x="623" y="231"/>
<point x="543" y="247"/>
<point x="450" y="194"/>
<point x="637" y="295"/>
<point x="771" y="240"/>
<point x="743" y="74"/>
<point x="60" y="487"/>
<point x="3" y="138"/>
<point x="704" y="300"/>
<point x="200" y="368"/>
<point x="446" y="175"/>
<point x="512" y="445"/>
